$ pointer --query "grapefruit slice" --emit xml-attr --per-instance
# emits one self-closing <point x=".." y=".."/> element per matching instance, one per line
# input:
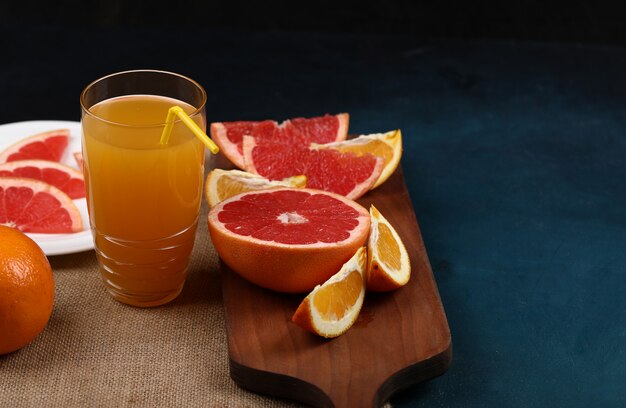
<point x="287" y="239"/>
<point x="63" y="177"/>
<point x="45" y="146"/>
<point x="344" y="173"/>
<point x="386" y="145"/>
<point x="333" y="307"/>
<point x="78" y="158"/>
<point x="297" y="131"/>
<point x="34" y="206"/>
<point x="222" y="184"/>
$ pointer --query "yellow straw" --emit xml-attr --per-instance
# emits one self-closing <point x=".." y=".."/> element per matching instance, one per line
<point x="175" y="111"/>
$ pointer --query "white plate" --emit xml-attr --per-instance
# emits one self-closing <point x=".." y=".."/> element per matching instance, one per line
<point x="54" y="244"/>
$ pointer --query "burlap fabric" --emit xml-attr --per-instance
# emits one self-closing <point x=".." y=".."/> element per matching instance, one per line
<point x="96" y="352"/>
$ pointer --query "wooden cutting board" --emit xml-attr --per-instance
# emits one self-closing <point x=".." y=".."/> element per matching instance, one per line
<point x="400" y="339"/>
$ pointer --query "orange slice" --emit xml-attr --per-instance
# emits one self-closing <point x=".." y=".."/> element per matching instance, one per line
<point x="333" y="307"/>
<point x="386" y="145"/>
<point x="388" y="264"/>
<point x="222" y="184"/>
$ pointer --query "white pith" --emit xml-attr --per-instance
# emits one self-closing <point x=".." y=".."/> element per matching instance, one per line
<point x="291" y="218"/>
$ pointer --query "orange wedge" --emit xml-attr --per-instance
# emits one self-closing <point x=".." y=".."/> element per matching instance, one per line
<point x="386" y="145"/>
<point x="333" y="307"/>
<point x="388" y="264"/>
<point x="222" y="184"/>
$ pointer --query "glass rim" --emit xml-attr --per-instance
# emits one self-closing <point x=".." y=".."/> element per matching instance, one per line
<point x="135" y="71"/>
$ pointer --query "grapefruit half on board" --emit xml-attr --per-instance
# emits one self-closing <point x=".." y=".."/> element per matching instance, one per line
<point x="65" y="178"/>
<point x="344" y="173"/>
<point x="288" y="239"/>
<point x="34" y="206"/>
<point x="297" y="131"/>
<point x="44" y="146"/>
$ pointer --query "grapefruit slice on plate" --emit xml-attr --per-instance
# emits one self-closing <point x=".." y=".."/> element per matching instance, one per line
<point x="344" y="173"/>
<point x="63" y="177"/>
<point x="333" y="307"/>
<point x="297" y="131"/>
<point x="287" y="239"/>
<point x="45" y="146"/>
<point x="78" y="158"/>
<point x="34" y="206"/>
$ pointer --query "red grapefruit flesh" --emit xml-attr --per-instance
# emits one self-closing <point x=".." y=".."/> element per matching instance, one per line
<point x="343" y="173"/>
<point x="34" y="206"/>
<point x="65" y="178"/>
<point x="45" y="146"/>
<point x="78" y="158"/>
<point x="289" y="239"/>
<point x="297" y="131"/>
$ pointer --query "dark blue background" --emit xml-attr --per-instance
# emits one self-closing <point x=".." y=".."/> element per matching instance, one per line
<point x="515" y="159"/>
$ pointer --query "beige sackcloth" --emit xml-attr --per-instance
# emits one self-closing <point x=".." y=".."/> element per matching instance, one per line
<point x="96" y="352"/>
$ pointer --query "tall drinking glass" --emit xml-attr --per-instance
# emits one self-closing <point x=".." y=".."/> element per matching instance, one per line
<point x="143" y="196"/>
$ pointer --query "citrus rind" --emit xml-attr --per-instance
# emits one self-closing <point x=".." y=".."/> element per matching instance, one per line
<point x="310" y="318"/>
<point x="392" y="139"/>
<point x="381" y="276"/>
<point x="222" y="184"/>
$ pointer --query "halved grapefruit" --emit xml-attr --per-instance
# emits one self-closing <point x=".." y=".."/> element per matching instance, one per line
<point x="34" y="206"/>
<point x="45" y="146"/>
<point x="287" y="239"/>
<point x="297" y="131"/>
<point x="63" y="177"/>
<point x="344" y="173"/>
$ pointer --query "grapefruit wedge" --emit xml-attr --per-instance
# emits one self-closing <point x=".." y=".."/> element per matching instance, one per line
<point x="386" y="145"/>
<point x="45" y="146"/>
<point x="297" y="131"/>
<point x="345" y="173"/>
<point x="63" y="177"/>
<point x="34" y="206"/>
<point x="288" y="239"/>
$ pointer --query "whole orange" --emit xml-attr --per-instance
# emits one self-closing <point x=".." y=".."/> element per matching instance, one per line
<point x="26" y="290"/>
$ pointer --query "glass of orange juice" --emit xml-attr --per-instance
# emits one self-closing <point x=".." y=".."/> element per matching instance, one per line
<point x="143" y="197"/>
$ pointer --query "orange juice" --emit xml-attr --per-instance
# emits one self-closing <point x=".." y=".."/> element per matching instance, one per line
<point x="143" y="197"/>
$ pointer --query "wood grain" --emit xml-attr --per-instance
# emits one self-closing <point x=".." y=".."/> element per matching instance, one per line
<point x="401" y="337"/>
